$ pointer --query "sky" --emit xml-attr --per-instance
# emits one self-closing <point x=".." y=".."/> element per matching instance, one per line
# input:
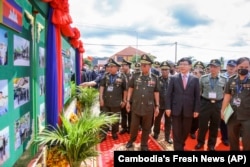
<point x="167" y="29"/>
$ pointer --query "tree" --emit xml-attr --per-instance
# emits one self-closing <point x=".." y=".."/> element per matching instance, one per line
<point x="222" y="60"/>
<point x="88" y="62"/>
<point x="137" y="58"/>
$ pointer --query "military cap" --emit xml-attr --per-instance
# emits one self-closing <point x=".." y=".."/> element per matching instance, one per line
<point x="112" y="62"/>
<point x="215" y="62"/>
<point x="145" y="59"/>
<point x="170" y="63"/>
<point x="137" y="66"/>
<point x="231" y="63"/>
<point x="199" y="64"/>
<point x="165" y="65"/>
<point x="124" y="62"/>
<point x="157" y="63"/>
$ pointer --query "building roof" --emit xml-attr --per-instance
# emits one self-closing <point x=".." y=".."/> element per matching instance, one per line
<point x="129" y="51"/>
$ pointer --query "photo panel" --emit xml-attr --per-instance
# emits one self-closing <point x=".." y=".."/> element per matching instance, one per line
<point x="41" y="118"/>
<point x="21" y="91"/>
<point x="22" y="130"/>
<point x="3" y="47"/>
<point x="41" y="85"/>
<point x="4" y="145"/>
<point x="21" y="51"/>
<point x="3" y="97"/>
<point x="41" y="57"/>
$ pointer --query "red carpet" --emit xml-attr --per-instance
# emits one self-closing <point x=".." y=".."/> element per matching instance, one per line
<point x="107" y="148"/>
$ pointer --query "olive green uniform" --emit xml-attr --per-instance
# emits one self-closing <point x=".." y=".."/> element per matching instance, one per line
<point x="142" y="105"/>
<point x="114" y="87"/>
<point x="240" y="120"/>
<point x="212" y="93"/>
<point x="167" y="125"/>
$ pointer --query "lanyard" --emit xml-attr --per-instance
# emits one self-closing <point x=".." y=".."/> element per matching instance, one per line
<point x="112" y="78"/>
<point x="213" y="82"/>
<point x="239" y="86"/>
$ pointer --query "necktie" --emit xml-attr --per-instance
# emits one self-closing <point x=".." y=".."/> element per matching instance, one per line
<point x="184" y="80"/>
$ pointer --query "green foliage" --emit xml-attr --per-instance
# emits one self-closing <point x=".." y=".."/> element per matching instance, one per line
<point x="76" y="140"/>
<point x="73" y="89"/>
<point x="88" y="62"/>
<point x="86" y="96"/>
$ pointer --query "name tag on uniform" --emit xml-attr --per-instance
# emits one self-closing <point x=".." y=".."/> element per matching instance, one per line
<point x="212" y="95"/>
<point x="237" y="101"/>
<point x="110" y="88"/>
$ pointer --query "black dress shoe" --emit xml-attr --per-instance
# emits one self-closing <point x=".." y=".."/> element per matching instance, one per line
<point x="144" y="149"/>
<point x="225" y="142"/>
<point x="155" y="136"/>
<point x="123" y="131"/>
<point x="169" y="140"/>
<point x="210" y="148"/>
<point x="129" y="145"/>
<point x="198" y="146"/>
<point x="114" y="136"/>
<point x="192" y="135"/>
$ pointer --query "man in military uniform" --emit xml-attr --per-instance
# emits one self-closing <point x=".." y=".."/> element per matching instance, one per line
<point x="144" y="93"/>
<point x="156" y="68"/>
<point x="198" y="71"/>
<point x="212" y="90"/>
<point x="231" y="70"/>
<point x="163" y="80"/>
<point x="237" y="93"/>
<point x="137" y="68"/>
<point x="113" y="92"/>
<point x="125" y="116"/>
<point x="199" y="65"/>
<point x="98" y="79"/>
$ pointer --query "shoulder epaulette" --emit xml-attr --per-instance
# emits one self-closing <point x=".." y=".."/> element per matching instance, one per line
<point x="223" y="76"/>
<point x="205" y="75"/>
<point x="154" y="75"/>
<point x="233" y="76"/>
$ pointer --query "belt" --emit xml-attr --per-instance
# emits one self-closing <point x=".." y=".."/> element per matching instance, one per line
<point x="212" y="100"/>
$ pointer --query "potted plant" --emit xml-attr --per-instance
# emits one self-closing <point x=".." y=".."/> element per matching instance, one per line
<point x="76" y="138"/>
<point x="86" y="97"/>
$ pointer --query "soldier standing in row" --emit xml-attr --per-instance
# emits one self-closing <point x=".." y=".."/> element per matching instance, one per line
<point x="144" y="92"/>
<point x="212" y="90"/>
<point x="237" y="93"/>
<point x="199" y="68"/>
<point x="113" y="92"/>
<point x="231" y="70"/>
<point x="137" y="68"/>
<point x="125" y="116"/>
<point x="163" y="80"/>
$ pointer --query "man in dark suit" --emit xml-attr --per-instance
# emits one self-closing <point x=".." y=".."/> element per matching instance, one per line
<point x="182" y="102"/>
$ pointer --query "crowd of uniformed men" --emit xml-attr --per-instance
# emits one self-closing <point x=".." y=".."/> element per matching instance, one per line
<point x="191" y="96"/>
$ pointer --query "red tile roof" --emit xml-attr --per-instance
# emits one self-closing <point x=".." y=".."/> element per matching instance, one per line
<point x="129" y="51"/>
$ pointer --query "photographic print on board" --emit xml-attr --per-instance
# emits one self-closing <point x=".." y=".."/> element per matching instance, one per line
<point x="21" y="51"/>
<point x="3" y="97"/>
<point x="3" y="47"/>
<point x="41" y="57"/>
<point x="4" y="145"/>
<point x="22" y="129"/>
<point x="41" y="117"/>
<point x="21" y="91"/>
<point x="41" y="85"/>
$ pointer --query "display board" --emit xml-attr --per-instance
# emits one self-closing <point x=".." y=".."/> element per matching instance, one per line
<point x="22" y="79"/>
<point x="21" y="82"/>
